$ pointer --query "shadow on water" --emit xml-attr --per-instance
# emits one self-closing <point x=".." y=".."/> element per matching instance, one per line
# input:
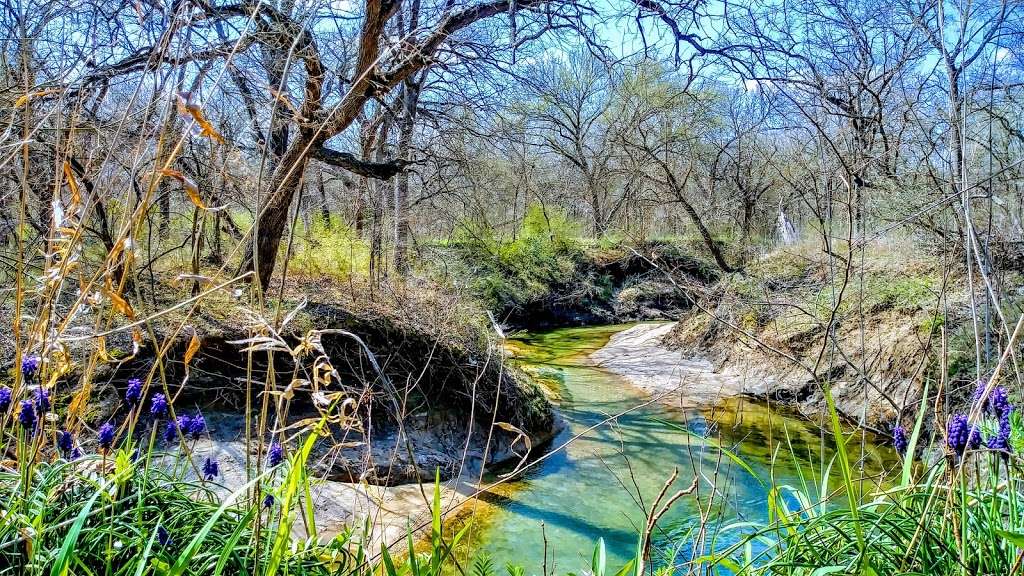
<point x="593" y="487"/>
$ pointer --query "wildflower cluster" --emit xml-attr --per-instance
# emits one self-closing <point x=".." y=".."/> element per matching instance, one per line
<point x="105" y="436"/>
<point x="31" y="410"/>
<point x="188" y="426"/>
<point x="961" y="435"/>
<point x="275" y="455"/>
<point x="158" y="406"/>
<point x="30" y="366"/>
<point x="211" y="469"/>
<point x="31" y="414"/>
<point x="134" y="392"/>
<point x="27" y="415"/>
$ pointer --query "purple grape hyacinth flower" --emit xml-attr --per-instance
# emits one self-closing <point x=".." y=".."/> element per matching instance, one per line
<point x="974" y="438"/>
<point x="196" y="426"/>
<point x="42" y="399"/>
<point x="163" y="536"/>
<point x="275" y="455"/>
<point x="268" y="501"/>
<point x="979" y="389"/>
<point x="158" y="405"/>
<point x="1001" y="441"/>
<point x="30" y="365"/>
<point x="211" y="468"/>
<point x="65" y="442"/>
<point x="6" y="394"/>
<point x="182" y="424"/>
<point x="958" y="433"/>
<point x="133" y="394"/>
<point x="106" y="436"/>
<point x="899" y="439"/>
<point x="998" y="400"/>
<point x="27" y="414"/>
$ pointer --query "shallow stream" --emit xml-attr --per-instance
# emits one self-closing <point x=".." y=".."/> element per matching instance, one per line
<point x="597" y="486"/>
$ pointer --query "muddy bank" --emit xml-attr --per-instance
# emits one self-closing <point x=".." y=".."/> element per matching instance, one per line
<point x="780" y="329"/>
<point x="549" y="283"/>
<point x="424" y="374"/>
<point x="616" y="286"/>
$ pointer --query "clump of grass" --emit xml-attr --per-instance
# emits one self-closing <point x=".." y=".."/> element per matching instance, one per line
<point x="961" y="514"/>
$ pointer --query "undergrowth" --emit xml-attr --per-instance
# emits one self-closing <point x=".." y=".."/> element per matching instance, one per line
<point x="542" y="255"/>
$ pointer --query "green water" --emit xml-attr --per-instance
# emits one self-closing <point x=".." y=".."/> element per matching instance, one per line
<point x="593" y="488"/>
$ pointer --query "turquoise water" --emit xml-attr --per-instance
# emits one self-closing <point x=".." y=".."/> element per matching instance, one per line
<point x="597" y="486"/>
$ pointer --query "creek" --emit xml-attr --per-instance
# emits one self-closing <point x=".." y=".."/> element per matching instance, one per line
<point x="599" y="485"/>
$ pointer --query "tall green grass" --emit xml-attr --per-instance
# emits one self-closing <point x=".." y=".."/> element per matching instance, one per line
<point x="953" y="513"/>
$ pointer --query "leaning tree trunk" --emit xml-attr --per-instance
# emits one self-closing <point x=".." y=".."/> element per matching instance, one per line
<point x="325" y="206"/>
<point x="261" y="253"/>
<point x="705" y="234"/>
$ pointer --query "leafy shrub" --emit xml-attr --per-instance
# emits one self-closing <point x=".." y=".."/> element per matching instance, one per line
<point x="333" y="250"/>
<point x="542" y="255"/>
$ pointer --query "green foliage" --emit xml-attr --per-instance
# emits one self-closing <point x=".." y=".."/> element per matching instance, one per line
<point x="903" y="294"/>
<point x="333" y="250"/>
<point x="144" y="519"/>
<point x="542" y="255"/>
<point x="932" y="324"/>
<point x="82" y="524"/>
<point x="950" y="520"/>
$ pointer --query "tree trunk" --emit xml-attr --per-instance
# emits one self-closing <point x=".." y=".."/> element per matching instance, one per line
<point x="749" y="203"/>
<point x="410" y="100"/>
<point x="164" y="196"/>
<point x="261" y="253"/>
<point x="705" y="234"/>
<point x="595" y="207"/>
<point x="325" y="208"/>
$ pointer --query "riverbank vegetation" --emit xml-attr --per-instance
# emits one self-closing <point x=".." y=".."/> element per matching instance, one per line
<point x="260" y="262"/>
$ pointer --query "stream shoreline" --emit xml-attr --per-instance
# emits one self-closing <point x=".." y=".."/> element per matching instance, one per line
<point x="634" y="354"/>
<point x="637" y="355"/>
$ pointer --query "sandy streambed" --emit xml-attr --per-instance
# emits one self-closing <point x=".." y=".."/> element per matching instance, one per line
<point x="637" y="355"/>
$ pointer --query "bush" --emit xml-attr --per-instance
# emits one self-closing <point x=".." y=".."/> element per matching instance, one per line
<point x="333" y="250"/>
<point x="543" y="254"/>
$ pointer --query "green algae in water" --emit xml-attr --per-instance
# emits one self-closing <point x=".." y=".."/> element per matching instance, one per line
<point x="597" y="486"/>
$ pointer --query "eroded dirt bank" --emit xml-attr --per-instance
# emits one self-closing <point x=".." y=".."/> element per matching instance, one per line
<point x="780" y="332"/>
<point x="430" y="392"/>
<point x="650" y="357"/>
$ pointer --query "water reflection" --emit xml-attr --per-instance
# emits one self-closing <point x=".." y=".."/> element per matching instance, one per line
<point x="600" y="484"/>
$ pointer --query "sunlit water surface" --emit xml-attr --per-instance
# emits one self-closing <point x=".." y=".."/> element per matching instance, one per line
<point x="594" y="488"/>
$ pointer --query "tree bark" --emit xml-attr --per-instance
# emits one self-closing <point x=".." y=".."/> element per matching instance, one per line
<point x="705" y="234"/>
<point x="371" y="78"/>
<point x="410" y="100"/>
<point x="325" y="208"/>
<point x="261" y="253"/>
